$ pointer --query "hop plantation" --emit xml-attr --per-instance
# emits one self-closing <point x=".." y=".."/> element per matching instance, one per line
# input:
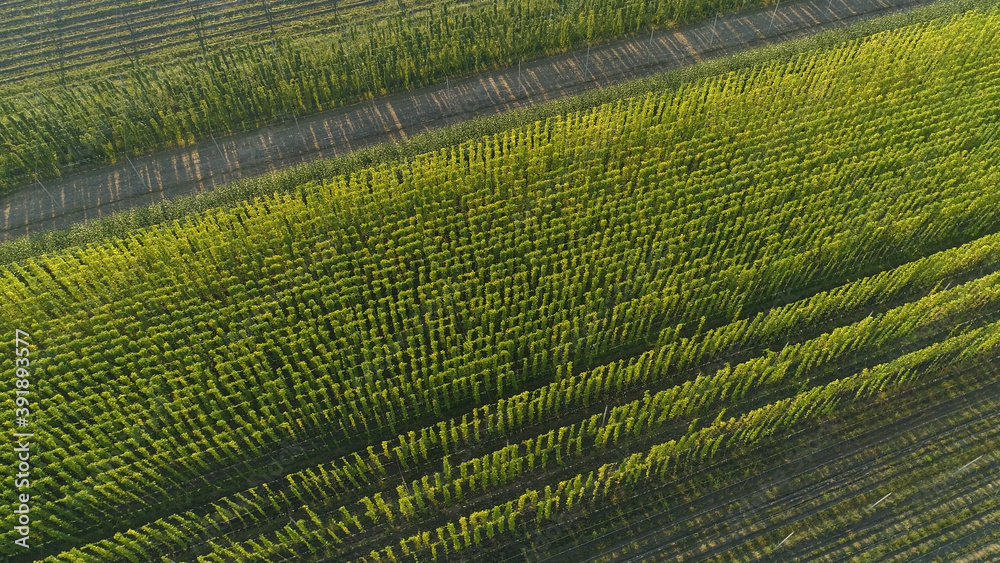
<point x="597" y="320"/>
<point x="120" y="110"/>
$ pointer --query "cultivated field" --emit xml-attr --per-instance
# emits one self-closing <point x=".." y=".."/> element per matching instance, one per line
<point x="62" y="41"/>
<point x="93" y="194"/>
<point x="150" y="105"/>
<point x="756" y="316"/>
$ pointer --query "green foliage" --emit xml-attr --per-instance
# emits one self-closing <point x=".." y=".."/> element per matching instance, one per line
<point x="240" y="88"/>
<point x="474" y="341"/>
<point x="120" y="225"/>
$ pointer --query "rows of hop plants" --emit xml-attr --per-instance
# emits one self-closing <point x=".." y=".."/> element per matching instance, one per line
<point x="143" y="108"/>
<point x="456" y="348"/>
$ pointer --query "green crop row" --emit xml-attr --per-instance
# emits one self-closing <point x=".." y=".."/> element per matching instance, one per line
<point x="304" y="537"/>
<point x="121" y="224"/>
<point x="60" y="42"/>
<point x="364" y="471"/>
<point x="239" y="88"/>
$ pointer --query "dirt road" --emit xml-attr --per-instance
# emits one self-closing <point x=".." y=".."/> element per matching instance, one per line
<point x="139" y="181"/>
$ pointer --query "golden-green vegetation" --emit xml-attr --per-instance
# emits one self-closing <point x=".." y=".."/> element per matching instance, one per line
<point x="445" y="354"/>
<point x="142" y="106"/>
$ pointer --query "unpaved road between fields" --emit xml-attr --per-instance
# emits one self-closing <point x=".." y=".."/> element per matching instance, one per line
<point x="91" y="194"/>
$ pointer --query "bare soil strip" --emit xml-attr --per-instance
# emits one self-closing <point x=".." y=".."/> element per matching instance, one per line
<point x="140" y="181"/>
